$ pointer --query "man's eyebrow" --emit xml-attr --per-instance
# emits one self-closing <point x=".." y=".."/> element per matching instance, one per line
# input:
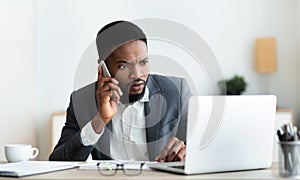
<point x="121" y="61"/>
<point x="145" y="58"/>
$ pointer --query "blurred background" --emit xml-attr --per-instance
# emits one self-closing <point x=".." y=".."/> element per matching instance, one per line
<point x="42" y="43"/>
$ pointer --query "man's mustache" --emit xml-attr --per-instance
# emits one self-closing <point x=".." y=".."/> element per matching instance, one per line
<point x="136" y="81"/>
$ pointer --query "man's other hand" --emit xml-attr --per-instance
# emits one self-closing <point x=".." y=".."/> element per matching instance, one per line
<point x="173" y="151"/>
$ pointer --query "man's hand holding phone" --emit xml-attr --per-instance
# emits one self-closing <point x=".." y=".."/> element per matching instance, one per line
<point x="108" y="95"/>
<point x="104" y="68"/>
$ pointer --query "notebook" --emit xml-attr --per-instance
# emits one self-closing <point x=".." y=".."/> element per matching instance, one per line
<point x="227" y="133"/>
<point x="26" y="168"/>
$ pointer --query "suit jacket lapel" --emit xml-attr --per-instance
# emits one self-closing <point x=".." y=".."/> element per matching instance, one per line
<point x="153" y="110"/>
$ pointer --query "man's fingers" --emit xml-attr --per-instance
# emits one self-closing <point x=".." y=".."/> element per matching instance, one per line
<point x="116" y="89"/>
<point x="171" y="146"/>
<point x="175" y="150"/>
<point x="115" y="96"/>
<point x="173" y="153"/>
<point x="162" y="160"/>
<point x="166" y="151"/>
<point x="106" y="80"/>
<point x="112" y="87"/>
<point x="181" y="155"/>
<point x="99" y="75"/>
<point x="99" y="72"/>
<point x="110" y="95"/>
<point x="102" y="80"/>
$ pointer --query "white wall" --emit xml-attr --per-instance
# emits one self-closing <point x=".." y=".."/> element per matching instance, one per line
<point x="17" y="73"/>
<point x="35" y="86"/>
<point x="65" y="29"/>
<point x="298" y="58"/>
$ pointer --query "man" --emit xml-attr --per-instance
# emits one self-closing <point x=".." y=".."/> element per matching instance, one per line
<point x="131" y="115"/>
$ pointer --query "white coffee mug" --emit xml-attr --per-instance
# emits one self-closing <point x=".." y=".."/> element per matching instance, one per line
<point x="20" y="152"/>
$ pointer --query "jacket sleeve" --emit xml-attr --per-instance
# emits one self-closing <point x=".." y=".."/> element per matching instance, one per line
<point x="185" y="94"/>
<point x="70" y="147"/>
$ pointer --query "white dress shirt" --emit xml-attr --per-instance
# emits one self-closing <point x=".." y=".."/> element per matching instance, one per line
<point x="128" y="138"/>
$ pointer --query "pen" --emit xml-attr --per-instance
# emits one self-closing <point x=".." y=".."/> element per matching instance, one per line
<point x="295" y="135"/>
<point x="280" y="136"/>
<point x="291" y="157"/>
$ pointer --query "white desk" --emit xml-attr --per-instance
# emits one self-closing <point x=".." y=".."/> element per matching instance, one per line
<point x="75" y="174"/>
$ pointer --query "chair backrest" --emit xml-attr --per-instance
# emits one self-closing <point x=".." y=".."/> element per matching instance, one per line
<point x="58" y="120"/>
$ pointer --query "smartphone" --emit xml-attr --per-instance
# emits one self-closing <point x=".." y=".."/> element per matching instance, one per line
<point x="105" y="71"/>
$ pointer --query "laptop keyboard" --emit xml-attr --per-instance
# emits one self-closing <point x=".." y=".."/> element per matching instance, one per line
<point x="176" y="166"/>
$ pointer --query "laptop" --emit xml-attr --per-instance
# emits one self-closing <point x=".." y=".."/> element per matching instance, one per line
<point x="227" y="133"/>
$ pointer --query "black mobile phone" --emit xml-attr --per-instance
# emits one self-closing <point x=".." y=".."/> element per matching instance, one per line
<point x="105" y="71"/>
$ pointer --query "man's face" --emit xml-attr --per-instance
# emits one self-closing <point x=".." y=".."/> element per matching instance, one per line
<point x="129" y="64"/>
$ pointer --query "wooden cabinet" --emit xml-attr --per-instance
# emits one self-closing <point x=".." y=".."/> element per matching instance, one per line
<point x="283" y="116"/>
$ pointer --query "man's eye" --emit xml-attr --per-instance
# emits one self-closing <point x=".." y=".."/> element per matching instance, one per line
<point x="123" y="66"/>
<point x="144" y="62"/>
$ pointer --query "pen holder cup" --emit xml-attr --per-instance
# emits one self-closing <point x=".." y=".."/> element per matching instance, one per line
<point x="289" y="158"/>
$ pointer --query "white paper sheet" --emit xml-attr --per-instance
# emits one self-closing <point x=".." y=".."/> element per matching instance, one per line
<point x="27" y="168"/>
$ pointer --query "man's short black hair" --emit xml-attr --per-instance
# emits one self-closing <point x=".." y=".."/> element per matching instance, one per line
<point x="115" y="34"/>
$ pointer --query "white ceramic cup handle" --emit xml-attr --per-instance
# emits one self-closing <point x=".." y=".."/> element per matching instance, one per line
<point x="35" y="152"/>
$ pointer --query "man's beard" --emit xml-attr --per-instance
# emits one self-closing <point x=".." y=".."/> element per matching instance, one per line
<point x="130" y="98"/>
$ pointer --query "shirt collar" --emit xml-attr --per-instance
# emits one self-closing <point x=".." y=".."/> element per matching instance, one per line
<point x="145" y="98"/>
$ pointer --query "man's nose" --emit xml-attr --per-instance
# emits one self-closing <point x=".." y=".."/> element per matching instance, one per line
<point x="136" y="72"/>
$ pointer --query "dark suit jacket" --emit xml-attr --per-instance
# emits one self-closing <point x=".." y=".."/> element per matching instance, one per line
<point x="166" y="116"/>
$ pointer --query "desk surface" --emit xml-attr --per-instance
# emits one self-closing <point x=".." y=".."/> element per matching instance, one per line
<point x="271" y="173"/>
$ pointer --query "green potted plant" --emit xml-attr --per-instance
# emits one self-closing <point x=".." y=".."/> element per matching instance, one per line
<point x="234" y="86"/>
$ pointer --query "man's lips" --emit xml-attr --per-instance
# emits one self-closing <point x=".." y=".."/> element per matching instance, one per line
<point x="136" y="86"/>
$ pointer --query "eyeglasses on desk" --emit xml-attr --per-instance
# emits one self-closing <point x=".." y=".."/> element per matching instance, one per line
<point x="129" y="168"/>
